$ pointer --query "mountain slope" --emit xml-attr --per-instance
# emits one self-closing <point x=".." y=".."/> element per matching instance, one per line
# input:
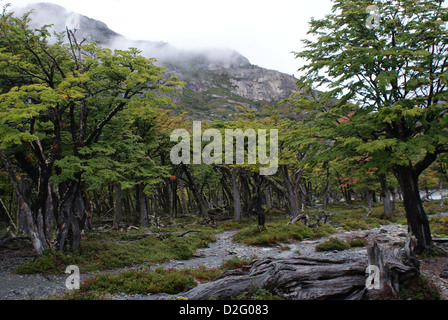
<point x="218" y="81"/>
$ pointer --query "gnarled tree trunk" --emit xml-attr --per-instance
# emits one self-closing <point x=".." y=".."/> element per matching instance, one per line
<point x="312" y="278"/>
<point x="417" y="219"/>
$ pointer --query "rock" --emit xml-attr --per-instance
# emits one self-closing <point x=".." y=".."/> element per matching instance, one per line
<point x="444" y="274"/>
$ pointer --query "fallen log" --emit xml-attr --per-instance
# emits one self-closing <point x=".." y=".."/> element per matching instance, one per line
<point x="10" y="239"/>
<point x="181" y="234"/>
<point x="311" y="278"/>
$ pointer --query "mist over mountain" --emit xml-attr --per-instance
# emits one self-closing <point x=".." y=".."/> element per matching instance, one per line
<point x="218" y="80"/>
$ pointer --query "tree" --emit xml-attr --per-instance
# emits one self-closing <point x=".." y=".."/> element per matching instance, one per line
<point x="388" y="82"/>
<point x="63" y="113"/>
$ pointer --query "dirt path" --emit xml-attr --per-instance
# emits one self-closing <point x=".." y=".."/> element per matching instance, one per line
<point x="21" y="287"/>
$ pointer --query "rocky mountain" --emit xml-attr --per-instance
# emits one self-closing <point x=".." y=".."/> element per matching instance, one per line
<point x="218" y="81"/>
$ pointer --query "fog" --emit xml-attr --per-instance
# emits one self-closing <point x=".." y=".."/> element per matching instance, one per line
<point x="264" y="31"/>
<point x="97" y="31"/>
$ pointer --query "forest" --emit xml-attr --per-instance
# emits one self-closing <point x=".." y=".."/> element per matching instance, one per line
<point x="86" y="176"/>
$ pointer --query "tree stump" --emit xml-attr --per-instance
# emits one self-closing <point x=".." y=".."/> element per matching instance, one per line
<point x="395" y="265"/>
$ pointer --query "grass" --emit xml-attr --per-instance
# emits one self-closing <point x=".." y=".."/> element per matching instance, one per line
<point x="439" y="226"/>
<point x="333" y="244"/>
<point x="419" y="288"/>
<point x="160" y="280"/>
<point x="234" y="263"/>
<point x="112" y="250"/>
<point x="280" y="232"/>
<point x="258" y="294"/>
<point x="354" y="217"/>
<point x="109" y="251"/>
<point x="348" y="217"/>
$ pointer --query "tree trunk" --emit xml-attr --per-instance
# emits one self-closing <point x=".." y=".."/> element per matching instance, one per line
<point x="143" y="201"/>
<point x="118" y="206"/>
<point x="237" y="211"/>
<point x="325" y="195"/>
<point x="65" y="218"/>
<point x="369" y="200"/>
<point x="183" y="201"/>
<point x="258" y="202"/>
<point x="292" y="196"/>
<point x="441" y="204"/>
<point x="268" y="197"/>
<point x="386" y="196"/>
<point x="415" y="214"/>
<point x="312" y="278"/>
<point x="196" y="193"/>
<point x="24" y="207"/>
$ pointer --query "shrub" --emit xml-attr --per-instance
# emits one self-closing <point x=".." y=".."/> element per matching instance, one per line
<point x="258" y="294"/>
<point x="142" y="282"/>
<point x="439" y="225"/>
<point x="281" y="232"/>
<point x="111" y="252"/>
<point x="333" y="244"/>
<point x="419" y="288"/>
<point x="358" y="243"/>
<point x="234" y="263"/>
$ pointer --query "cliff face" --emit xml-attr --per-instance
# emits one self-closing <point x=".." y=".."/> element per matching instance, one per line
<point x="261" y="84"/>
<point x="218" y="81"/>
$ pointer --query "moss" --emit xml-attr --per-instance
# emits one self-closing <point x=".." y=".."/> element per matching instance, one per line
<point x="439" y="225"/>
<point x="432" y="252"/>
<point x="140" y="282"/>
<point x="48" y="262"/>
<point x="419" y="288"/>
<point x="356" y="243"/>
<point x="143" y="281"/>
<point x="111" y="252"/>
<point x="258" y="294"/>
<point x="333" y="244"/>
<point x="280" y="232"/>
<point x="234" y="263"/>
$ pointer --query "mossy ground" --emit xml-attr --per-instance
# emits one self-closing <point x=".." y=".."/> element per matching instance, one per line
<point x="144" y="281"/>
<point x="118" y="249"/>
<point x="112" y="250"/>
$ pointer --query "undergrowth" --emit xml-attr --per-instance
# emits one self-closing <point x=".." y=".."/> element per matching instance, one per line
<point x="280" y="232"/>
<point x="419" y="288"/>
<point x="144" y="281"/>
<point x="107" y="252"/>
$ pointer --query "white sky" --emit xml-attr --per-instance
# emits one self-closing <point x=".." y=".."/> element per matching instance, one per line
<point x="263" y="31"/>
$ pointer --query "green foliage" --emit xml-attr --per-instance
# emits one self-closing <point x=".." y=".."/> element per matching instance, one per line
<point x="355" y="243"/>
<point x="48" y="263"/>
<point x="234" y="263"/>
<point x="258" y="294"/>
<point x="333" y="244"/>
<point x="100" y="253"/>
<point x="79" y="115"/>
<point x="384" y="106"/>
<point x="439" y="226"/>
<point x="278" y="232"/>
<point x="143" y="281"/>
<point x="419" y="288"/>
<point x="362" y="223"/>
